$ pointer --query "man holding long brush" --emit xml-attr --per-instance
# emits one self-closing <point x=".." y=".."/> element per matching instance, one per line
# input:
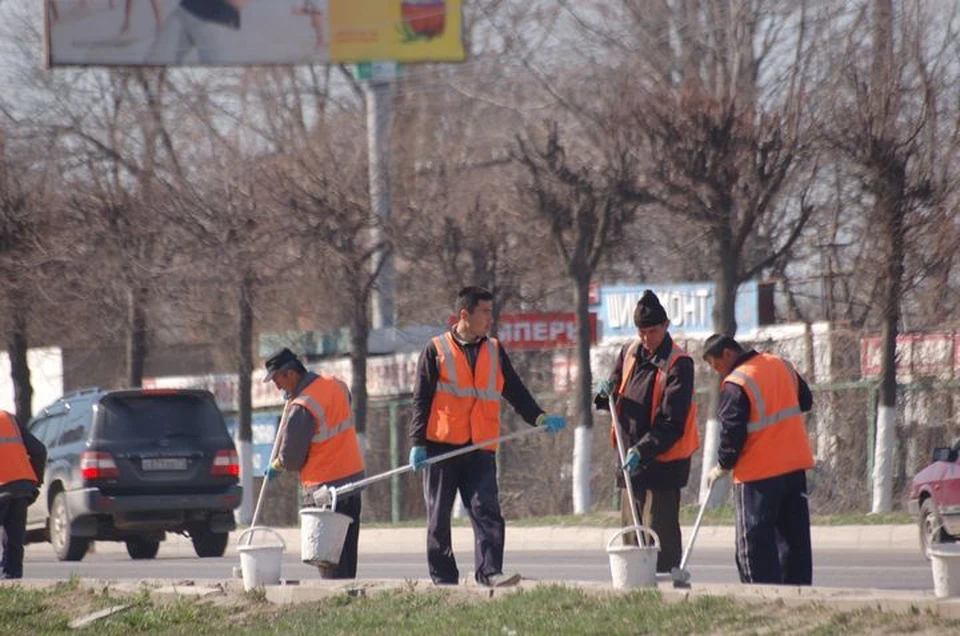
<point x="461" y="377"/>
<point x="318" y="440"/>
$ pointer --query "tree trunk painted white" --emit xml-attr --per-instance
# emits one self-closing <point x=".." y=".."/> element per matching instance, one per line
<point x="883" y="459"/>
<point x="244" y="514"/>
<point x="581" y="470"/>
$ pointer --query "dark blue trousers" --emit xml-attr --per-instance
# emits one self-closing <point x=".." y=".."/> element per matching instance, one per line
<point x="13" y="519"/>
<point x="474" y="476"/>
<point x="773" y="530"/>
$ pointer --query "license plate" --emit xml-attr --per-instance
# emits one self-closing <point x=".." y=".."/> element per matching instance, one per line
<point x="165" y="463"/>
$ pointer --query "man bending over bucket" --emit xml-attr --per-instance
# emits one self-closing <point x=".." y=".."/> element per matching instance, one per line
<point x="317" y="439"/>
<point x="456" y="402"/>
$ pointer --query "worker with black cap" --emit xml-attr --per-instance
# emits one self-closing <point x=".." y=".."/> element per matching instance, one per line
<point x="652" y="382"/>
<point x="318" y="439"/>
<point x="763" y="440"/>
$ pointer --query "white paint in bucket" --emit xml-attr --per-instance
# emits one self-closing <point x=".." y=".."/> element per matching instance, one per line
<point x="633" y="567"/>
<point x="322" y="533"/>
<point x="260" y="564"/>
<point x="945" y="561"/>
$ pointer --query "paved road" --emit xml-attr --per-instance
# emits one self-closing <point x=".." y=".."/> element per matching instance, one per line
<point x="885" y="569"/>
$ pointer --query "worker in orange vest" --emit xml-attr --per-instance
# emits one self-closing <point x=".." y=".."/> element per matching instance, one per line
<point x="653" y="384"/>
<point x="461" y="376"/>
<point x="763" y="440"/>
<point x="318" y="439"/>
<point x="23" y="459"/>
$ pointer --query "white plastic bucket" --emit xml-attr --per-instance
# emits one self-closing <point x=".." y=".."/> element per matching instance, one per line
<point x="945" y="561"/>
<point x="322" y="533"/>
<point x="631" y="566"/>
<point x="260" y="564"/>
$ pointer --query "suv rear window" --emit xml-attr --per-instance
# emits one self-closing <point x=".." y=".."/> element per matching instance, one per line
<point x="149" y="417"/>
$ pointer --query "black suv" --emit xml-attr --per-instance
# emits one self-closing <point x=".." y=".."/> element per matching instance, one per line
<point x="132" y="465"/>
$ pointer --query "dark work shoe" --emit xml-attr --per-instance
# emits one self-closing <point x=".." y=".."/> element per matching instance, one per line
<point x="503" y="580"/>
<point x="443" y="583"/>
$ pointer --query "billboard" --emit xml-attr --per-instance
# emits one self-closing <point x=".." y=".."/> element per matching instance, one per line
<point x="251" y="32"/>
<point x="689" y="307"/>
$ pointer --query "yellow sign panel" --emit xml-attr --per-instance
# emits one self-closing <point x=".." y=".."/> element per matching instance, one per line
<point x="398" y="30"/>
<point x="251" y="32"/>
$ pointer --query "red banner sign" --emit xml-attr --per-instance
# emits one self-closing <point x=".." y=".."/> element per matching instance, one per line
<point x="929" y="354"/>
<point x="540" y="331"/>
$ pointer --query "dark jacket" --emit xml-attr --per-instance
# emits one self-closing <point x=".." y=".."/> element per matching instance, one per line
<point x="428" y="372"/>
<point x="635" y="404"/>
<point x="37" y="453"/>
<point x="733" y="409"/>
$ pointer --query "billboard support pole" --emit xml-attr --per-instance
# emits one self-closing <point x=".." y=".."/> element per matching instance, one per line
<point x="379" y="97"/>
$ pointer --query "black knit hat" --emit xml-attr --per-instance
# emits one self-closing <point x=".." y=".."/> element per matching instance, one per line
<point x="649" y="311"/>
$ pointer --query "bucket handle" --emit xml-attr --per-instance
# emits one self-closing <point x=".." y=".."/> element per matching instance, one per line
<point x="250" y="531"/>
<point x="644" y="529"/>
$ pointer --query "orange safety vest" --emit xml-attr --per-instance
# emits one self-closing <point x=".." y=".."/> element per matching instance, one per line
<point x="690" y="441"/>
<point x="777" y="441"/>
<point x="14" y="461"/>
<point x="334" y="454"/>
<point x="466" y="405"/>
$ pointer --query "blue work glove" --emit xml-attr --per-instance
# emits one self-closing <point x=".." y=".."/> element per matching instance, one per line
<point x="553" y="423"/>
<point x="604" y="388"/>
<point x="632" y="461"/>
<point x="271" y="473"/>
<point x="602" y="399"/>
<point x="418" y="456"/>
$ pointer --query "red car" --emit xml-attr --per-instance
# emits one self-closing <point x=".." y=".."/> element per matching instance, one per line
<point x="935" y="498"/>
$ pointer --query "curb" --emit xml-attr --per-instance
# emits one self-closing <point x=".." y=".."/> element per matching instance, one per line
<point x="294" y="592"/>
<point x="899" y="538"/>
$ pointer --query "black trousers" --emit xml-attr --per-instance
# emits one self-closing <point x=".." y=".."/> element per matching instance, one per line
<point x="773" y="530"/>
<point x="658" y="510"/>
<point x="474" y="476"/>
<point x="347" y="567"/>
<point x="13" y="519"/>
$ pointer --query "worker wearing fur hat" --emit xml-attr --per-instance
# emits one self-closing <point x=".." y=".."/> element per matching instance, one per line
<point x="652" y="383"/>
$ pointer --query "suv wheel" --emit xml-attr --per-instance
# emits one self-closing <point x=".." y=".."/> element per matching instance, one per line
<point x="65" y="546"/>
<point x="931" y="527"/>
<point x="140" y="548"/>
<point x="209" y="544"/>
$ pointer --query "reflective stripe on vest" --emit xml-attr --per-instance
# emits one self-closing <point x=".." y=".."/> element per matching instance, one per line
<point x="334" y="452"/>
<point x="453" y="386"/>
<point x="323" y="432"/>
<point x="766" y="420"/>
<point x="777" y="442"/>
<point x="14" y="461"/>
<point x="689" y="442"/>
<point x="466" y="403"/>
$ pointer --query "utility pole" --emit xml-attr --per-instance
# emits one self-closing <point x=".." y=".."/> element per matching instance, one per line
<point x="379" y="95"/>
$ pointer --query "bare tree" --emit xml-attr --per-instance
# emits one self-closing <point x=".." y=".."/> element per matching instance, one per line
<point x="585" y="209"/>
<point x="887" y="125"/>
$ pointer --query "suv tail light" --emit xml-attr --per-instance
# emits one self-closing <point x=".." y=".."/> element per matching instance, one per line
<point x="94" y="465"/>
<point x="226" y="464"/>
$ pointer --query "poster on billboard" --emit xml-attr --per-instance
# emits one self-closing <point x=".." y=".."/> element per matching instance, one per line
<point x="251" y="32"/>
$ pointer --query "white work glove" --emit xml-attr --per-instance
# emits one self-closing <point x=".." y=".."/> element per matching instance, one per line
<point x="716" y="473"/>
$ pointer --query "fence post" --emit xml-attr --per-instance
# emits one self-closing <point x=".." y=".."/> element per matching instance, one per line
<point x="871" y="430"/>
<point x="394" y="463"/>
